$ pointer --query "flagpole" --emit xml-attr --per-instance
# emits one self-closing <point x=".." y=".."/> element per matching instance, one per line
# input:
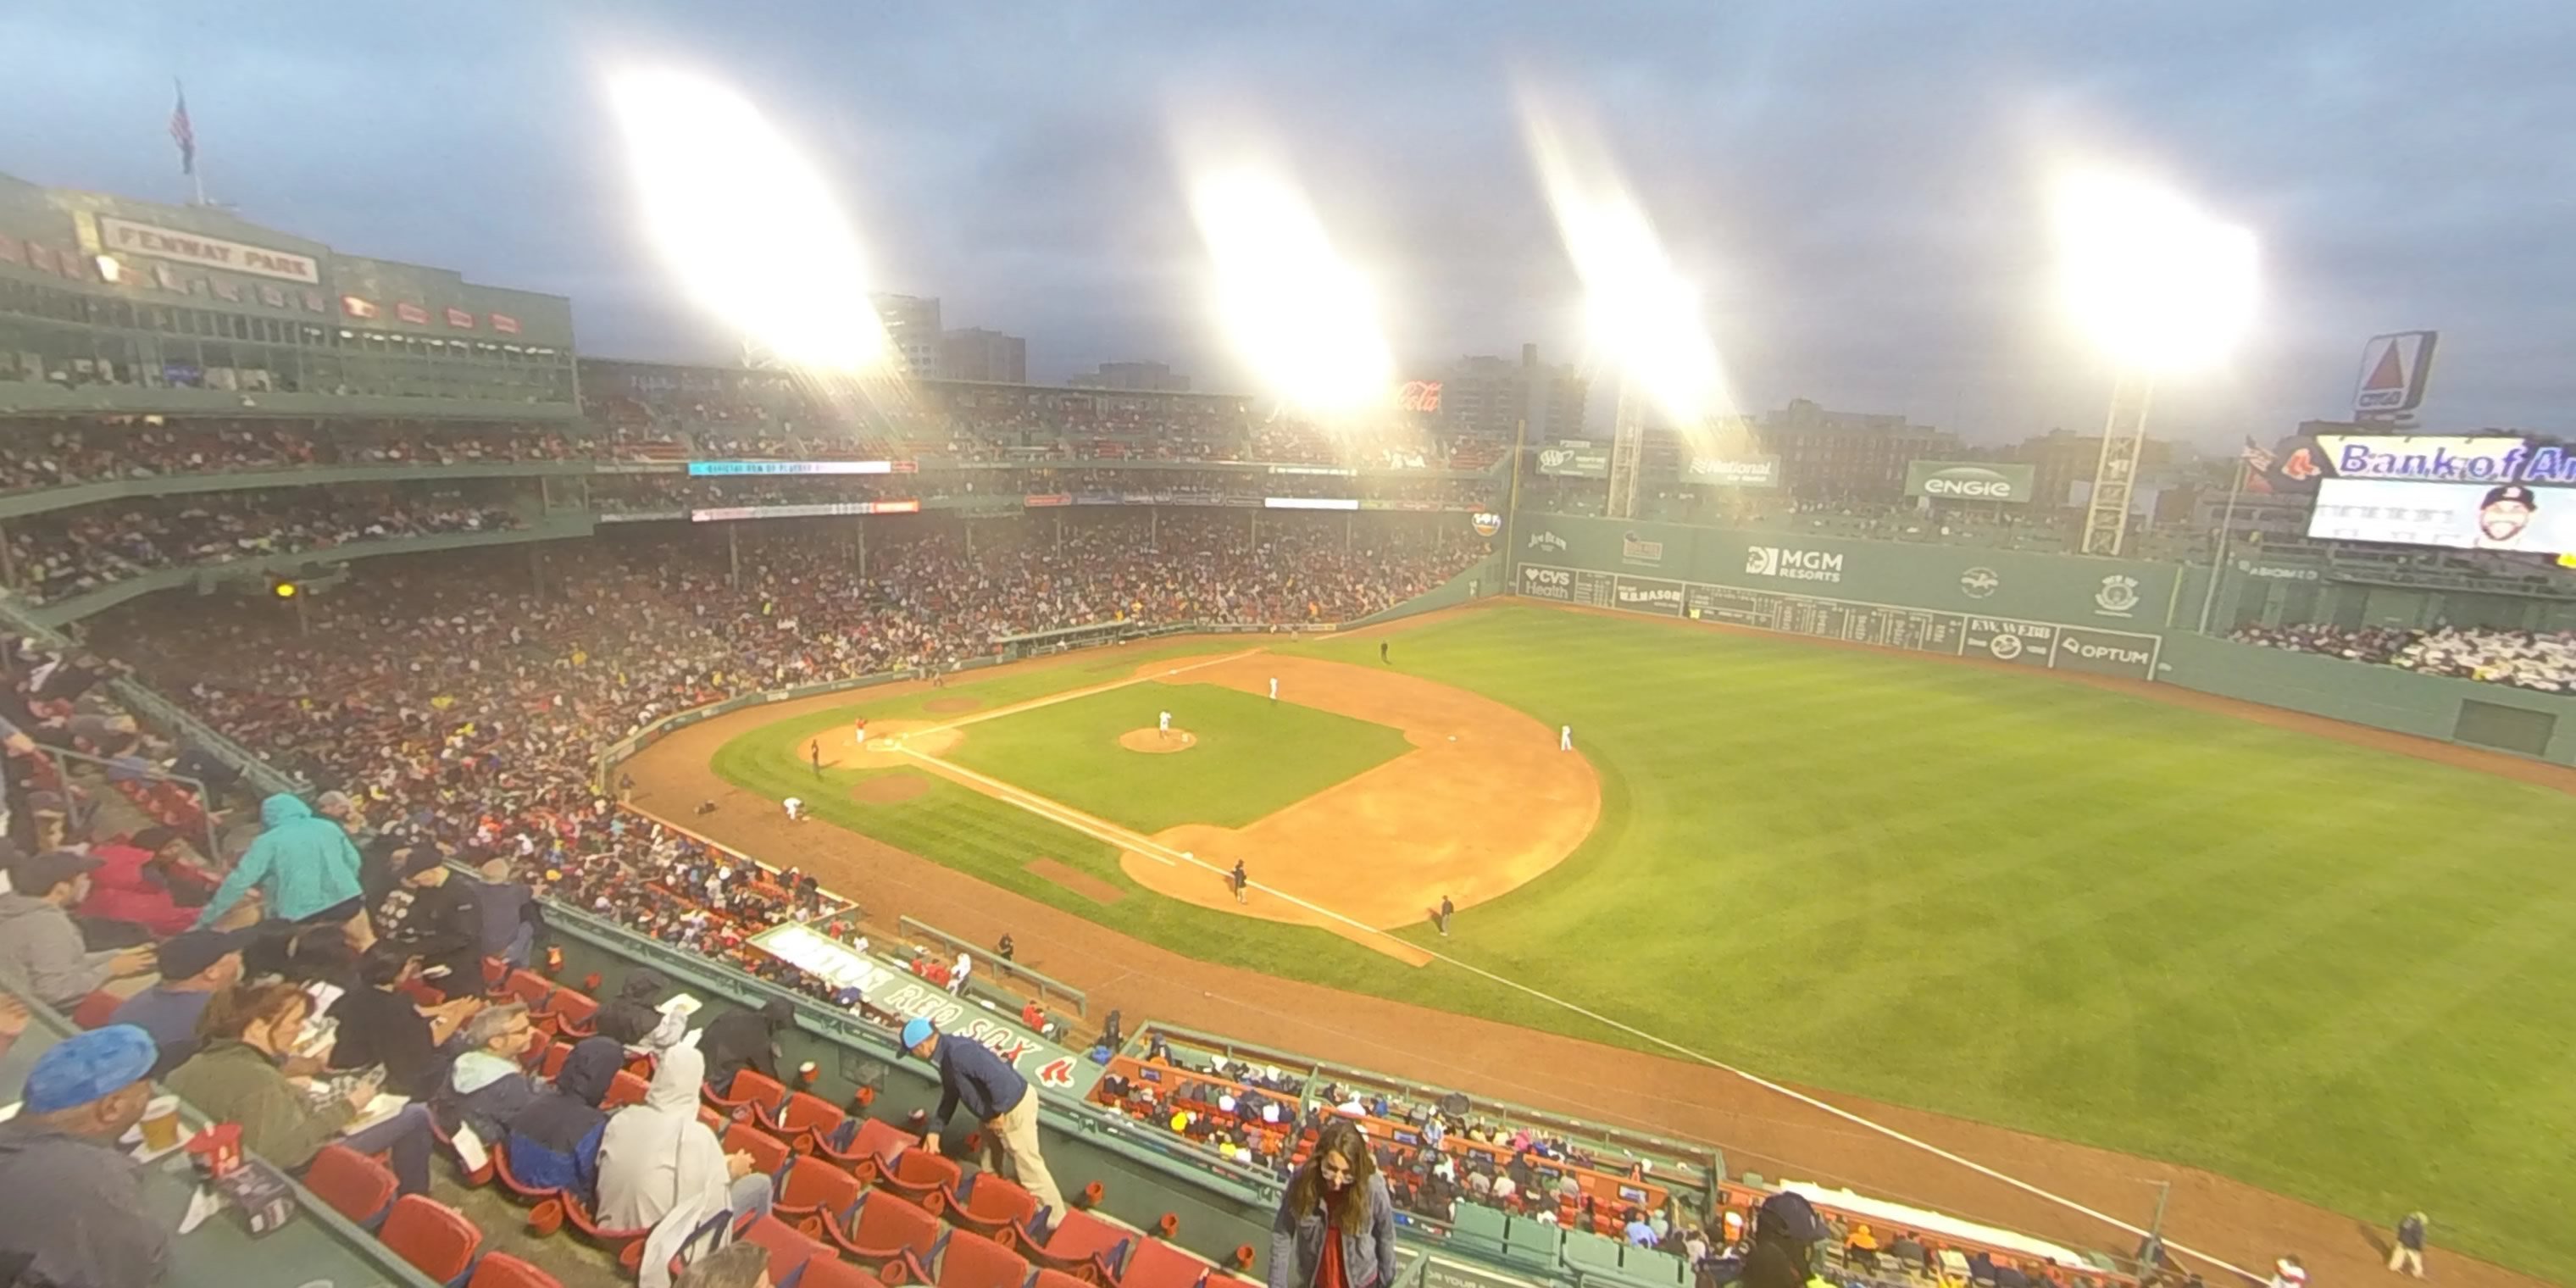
<point x="2218" y="560"/>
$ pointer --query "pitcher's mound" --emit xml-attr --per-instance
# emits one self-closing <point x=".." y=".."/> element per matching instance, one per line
<point x="888" y="789"/>
<point x="1155" y="742"/>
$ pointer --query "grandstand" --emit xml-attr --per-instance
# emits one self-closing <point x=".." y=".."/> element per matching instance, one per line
<point x="508" y="565"/>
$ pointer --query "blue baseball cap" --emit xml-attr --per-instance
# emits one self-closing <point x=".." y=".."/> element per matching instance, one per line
<point x="89" y="1066"/>
<point x="915" y="1032"/>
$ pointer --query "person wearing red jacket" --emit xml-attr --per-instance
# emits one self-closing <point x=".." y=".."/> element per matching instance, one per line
<point x="141" y="881"/>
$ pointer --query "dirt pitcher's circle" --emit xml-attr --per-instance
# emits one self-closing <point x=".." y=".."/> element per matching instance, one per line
<point x="1158" y="742"/>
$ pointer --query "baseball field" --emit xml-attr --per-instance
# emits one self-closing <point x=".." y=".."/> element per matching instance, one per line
<point x="2330" y="970"/>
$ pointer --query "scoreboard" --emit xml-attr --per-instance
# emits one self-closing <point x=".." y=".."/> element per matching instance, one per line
<point x="2048" y="645"/>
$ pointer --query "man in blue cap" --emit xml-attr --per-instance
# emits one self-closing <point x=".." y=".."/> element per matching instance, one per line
<point x="75" y="1218"/>
<point x="999" y="1098"/>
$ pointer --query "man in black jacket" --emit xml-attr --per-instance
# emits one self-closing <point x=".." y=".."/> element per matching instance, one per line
<point x="746" y="1040"/>
<point x="437" y="919"/>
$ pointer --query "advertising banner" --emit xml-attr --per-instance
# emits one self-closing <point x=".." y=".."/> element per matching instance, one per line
<point x="1721" y="471"/>
<point x="723" y="469"/>
<point x="2438" y="458"/>
<point x="2463" y="516"/>
<point x="724" y="514"/>
<point x="1575" y="462"/>
<point x="1971" y="480"/>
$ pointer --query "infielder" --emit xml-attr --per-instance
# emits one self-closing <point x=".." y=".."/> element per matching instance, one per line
<point x="1565" y="738"/>
<point x="1274" y="690"/>
<point x="795" y="809"/>
<point x="862" y="731"/>
<point x="1164" y="725"/>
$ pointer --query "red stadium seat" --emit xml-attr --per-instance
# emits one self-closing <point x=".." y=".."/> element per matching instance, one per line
<point x="806" y="1115"/>
<point x="1081" y="1245"/>
<point x="569" y="1013"/>
<point x="436" y="1239"/>
<point x="881" y="1229"/>
<point x="921" y="1176"/>
<point x="501" y="1270"/>
<point x="991" y="1205"/>
<point x="510" y="1181"/>
<point x="969" y="1260"/>
<point x="355" y="1185"/>
<point x="873" y="1144"/>
<point x="1052" y="1278"/>
<point x="624" y="1089"/>
<point x="768" y="1153"/>
<point x="529" y="987"/>
<point x="751" y="1093"/>
<point x="814" y="1188"/>
<point x="1152" y="1264"/>
<point x="788" y="1250"/>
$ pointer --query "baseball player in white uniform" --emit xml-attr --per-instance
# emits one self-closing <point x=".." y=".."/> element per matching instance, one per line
<point x="1565" y="738"/>
<point x="1274" y="688"/>
<point x="795" y="809"/>
<point x="1164" y="725"/>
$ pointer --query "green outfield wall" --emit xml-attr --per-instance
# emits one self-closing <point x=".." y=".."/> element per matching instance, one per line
<point x="2125" y="618"/>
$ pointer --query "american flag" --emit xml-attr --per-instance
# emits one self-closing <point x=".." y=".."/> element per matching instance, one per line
<point x="182" y="133"/>
<point x="2255" y="455"/>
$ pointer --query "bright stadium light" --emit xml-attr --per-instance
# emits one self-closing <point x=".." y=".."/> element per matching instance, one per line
<point x="1301" y="317"/>
<point x="2160" y="286"/>
<point x="2162" y="289"/>
<point x="717" y="180"/>
<point x="1642" y="317"/>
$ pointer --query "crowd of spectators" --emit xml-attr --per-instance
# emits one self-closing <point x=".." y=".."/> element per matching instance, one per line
<point x="65" y="552"/>
<point x="457" y="703"/>
<point x="58" y="453"/>
<point x="2541" y="660"/>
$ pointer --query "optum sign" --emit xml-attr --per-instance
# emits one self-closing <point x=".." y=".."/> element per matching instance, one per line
<point x="1969" y="480"/>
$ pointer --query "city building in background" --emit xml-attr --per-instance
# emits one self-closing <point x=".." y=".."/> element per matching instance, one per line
<point x="988" y="356"/>
<point x="1141" y="377"/>
<point x="1850" y="456"/>
<point x="912" y="327"/>
<point x="1489" y="396"/>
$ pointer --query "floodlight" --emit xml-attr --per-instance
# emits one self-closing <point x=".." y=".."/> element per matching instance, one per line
<point x="719" y="184"/>
<point x="2159" y="285"/>
<point x="1300" y="316"/>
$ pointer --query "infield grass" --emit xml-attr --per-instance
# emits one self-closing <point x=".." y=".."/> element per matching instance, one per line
<point x="1252" y="756"/>
<point x="2333" y="972"/>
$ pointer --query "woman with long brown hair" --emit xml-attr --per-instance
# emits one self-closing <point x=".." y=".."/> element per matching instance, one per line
<point x="248" y="1030"/>
<point x="1336" y="1225"/>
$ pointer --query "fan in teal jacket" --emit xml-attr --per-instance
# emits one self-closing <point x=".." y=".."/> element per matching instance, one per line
<point x="302" y="864"/>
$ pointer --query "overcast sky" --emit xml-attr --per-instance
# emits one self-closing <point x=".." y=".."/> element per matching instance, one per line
<point x="1857" y="185"/>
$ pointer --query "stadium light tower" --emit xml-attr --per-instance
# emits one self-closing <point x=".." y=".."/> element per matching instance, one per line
<point x="708" y="167"/>
<point x="2163" y="289"/>
<point x="1303" y="318"/>
<point x="1641" y="316"/>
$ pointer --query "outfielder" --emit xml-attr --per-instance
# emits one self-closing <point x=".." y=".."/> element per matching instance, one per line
<point x="795" y="809"/>
<point x="1565" y="738"/>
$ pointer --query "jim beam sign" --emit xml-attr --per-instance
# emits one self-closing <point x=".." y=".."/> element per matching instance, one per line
<point x="127" y="237"/>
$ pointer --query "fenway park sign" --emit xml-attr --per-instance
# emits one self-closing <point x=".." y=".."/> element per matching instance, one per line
<point x="211" y="252"/>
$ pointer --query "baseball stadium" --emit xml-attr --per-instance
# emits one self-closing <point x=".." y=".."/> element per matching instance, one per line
<point x="2081" y="864"/>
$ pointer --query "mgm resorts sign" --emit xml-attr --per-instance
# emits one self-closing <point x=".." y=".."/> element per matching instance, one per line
<point x="1970" y="480"/>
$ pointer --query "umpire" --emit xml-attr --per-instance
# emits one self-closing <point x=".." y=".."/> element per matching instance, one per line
<point x="999" y="1098"/>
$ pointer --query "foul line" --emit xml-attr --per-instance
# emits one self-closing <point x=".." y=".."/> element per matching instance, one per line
<point x="1112" y="834"/>
<point x="1069" y="695"/>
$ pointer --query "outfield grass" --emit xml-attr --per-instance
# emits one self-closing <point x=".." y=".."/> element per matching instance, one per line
<point x="1253" y="756"/>
<point x="2332" y="972"/>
